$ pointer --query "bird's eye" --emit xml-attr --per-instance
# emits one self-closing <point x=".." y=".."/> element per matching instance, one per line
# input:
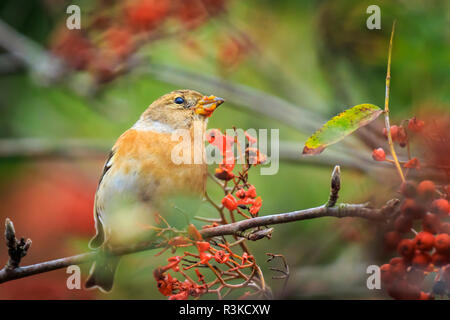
<point x="179" y="100"/>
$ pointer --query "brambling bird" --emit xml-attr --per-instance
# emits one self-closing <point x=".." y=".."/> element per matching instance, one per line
<point x="140" y="171"/>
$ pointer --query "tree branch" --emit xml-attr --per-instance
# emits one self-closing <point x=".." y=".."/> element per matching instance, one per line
<point x="340" y="211"/>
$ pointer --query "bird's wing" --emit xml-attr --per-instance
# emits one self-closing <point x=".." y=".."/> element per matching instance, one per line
<point x="99" y="238"/>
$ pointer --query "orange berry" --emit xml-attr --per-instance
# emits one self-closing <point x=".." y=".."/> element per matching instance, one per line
<point x="406" y="248"/>
<point x="398" y="266"/>
<point x="412" y="209"/>
<point x="440" y="206"/>
<point x="402" y="224"/>
<point x="431" y="223"/>
<point x="439" y="259"/>
<point x="442" y="243"/>
<point x="415" y="125"/>
<point x="421" y="259"/>
<point x="425" y="296"/>
<point x="379" y="154"/>
<point x="409" y="189"/>
<point x="424" y="241"/>
<point x="426" y="189"/>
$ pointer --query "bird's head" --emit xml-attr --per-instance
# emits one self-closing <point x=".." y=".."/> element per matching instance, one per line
<point x="179" y="108"/>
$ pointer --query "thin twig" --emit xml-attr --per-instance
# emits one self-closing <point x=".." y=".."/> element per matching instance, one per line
<point x="386" y="108"/>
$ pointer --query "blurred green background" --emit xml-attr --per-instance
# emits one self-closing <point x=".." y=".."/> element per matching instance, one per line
<point x="318" y="57"/>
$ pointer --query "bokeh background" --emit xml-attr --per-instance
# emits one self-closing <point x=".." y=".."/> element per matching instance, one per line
<point x="288" y="65"/>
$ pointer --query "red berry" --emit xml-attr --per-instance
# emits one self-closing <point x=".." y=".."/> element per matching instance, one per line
<point x="442" y="243"/>
<point x="398" y="266"/>
<point x="229" y="202"/>
<point x="402" y="224"/>
<point x="440" y="206"/>
<point x="406" y="248"/>
<point x="251" y="192"/>
<point x="421" y="259"/>
<point x="445" y="227"/>
<point x="412" y="209"/>
<point x="439" y="259"/>
<point x="425" y="296"/>
<point x="391" y="240"/>
<point x="426" y="189"/>
<point x="409" y="189"/>
<point x="379" y="154"/>
<point x="424" y="241"/>
<point x="394" y="132"/>
<point x="414" y="163"/>
<point x="431" y="223"/>
<point x="240" y="193"/>
<point x="415" y="125"/>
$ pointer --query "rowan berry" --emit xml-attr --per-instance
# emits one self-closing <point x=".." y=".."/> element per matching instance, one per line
<point x="379" y="154"/>
<point x="431" y="223"/>
<point x="402" y="224"/>
<point x="442" y="243"/>
<point x="426" y="189"/>
<point x="440" y="206"/>
<point x="406" y="248"/>
<point x="424" y="241"/>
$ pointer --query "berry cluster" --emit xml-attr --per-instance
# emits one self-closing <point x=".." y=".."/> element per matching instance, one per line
<point x="217" y="254"/>
<point x="207" y="253"/>
<point x="424" y="207"/>
<point x="115" y="30"/>
<point x="400" y="136"/>
<point x="242" y="195"/>
<point x="427" y="207"/>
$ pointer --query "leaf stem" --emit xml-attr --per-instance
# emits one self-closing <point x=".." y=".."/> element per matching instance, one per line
<point x="386" y="108"/>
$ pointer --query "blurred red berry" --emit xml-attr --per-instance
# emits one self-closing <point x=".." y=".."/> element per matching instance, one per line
<point x="440" y="206"/>
<point x="425" y="296"/>
<point x="426" y="189"/>
<point x="421" y="259"/>
<point x="402" y="224"/>
<point x="230" y="202"/>
<point x="144" y="15"/>
<point x="412" y="209"/>
<point x="240" y="193"/>
<point x="409" y="189"/>
<point x="251" y="192"/>
<point x="431" y="223"/>
<point x="442" y="243"/>
<point x="379" y="154"/>
<point x="398" y="266"/>
<point x="415" y="125"/>
<point x="406" y="248"/>
<point x="439" y="259"/>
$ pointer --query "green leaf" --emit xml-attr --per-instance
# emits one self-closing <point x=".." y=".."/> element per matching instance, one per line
<point x="341" y="126"/>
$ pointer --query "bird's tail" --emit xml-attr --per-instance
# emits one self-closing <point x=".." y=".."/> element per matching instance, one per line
<point x="102" y="273"/>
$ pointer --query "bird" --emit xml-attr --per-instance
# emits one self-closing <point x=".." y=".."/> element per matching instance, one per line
<point x="140" y="171"/>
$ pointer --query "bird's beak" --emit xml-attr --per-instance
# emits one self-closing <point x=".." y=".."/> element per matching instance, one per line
<point x="207" y="105"/>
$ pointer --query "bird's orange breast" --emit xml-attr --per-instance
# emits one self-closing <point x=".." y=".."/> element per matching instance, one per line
<point x="147" y="155"/>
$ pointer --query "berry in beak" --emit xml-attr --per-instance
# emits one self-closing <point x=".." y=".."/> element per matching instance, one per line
<point x="207" y="105"/>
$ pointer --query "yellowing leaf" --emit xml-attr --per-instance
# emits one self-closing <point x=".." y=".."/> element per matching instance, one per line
<point x="341" y="126"/>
